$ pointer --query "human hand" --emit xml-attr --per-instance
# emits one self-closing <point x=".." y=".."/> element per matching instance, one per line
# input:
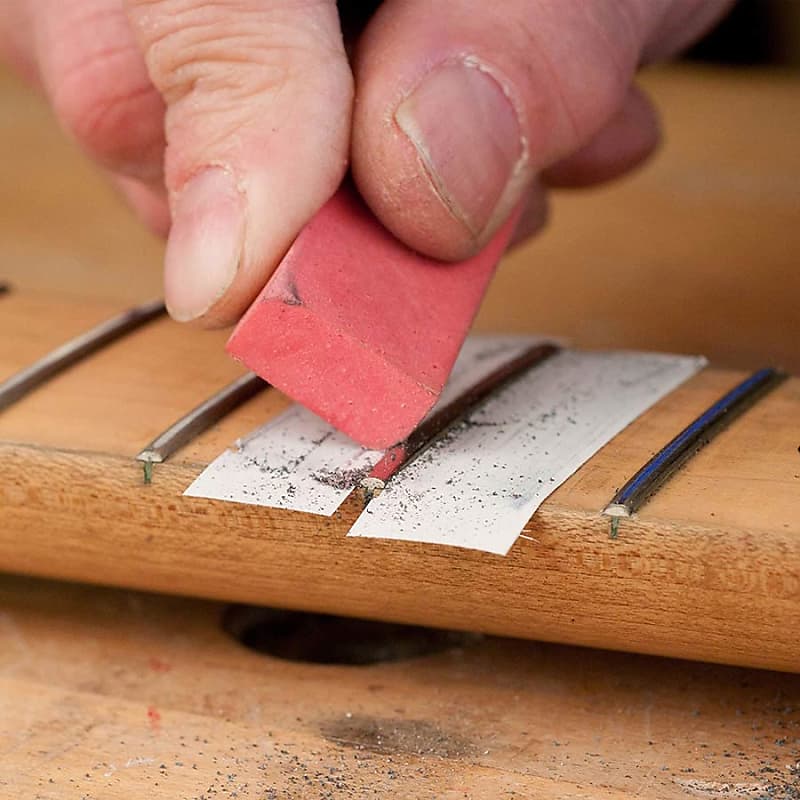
<point x="236" y="118"/>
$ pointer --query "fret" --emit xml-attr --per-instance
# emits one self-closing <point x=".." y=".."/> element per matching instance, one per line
<point x="199" y="419"/>
<point x="659" y="469"/>
<point x="66" y="355"/>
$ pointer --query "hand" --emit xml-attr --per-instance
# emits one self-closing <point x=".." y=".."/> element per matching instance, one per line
<point x="236" y="118"/>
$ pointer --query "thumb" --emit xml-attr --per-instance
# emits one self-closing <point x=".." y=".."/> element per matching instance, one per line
<point x="462" y="104"/>
<point x="258" y="96"/>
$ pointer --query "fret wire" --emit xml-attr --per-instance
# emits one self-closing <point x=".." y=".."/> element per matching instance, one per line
<point x="659" y="469"/>
<point x="201" y="418"/>
<point x="435" y="426"/>
<point x="56" y="361"/>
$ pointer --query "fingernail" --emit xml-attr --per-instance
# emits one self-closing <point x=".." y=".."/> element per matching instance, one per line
<point x="205" y="243"/>
<point x="468" y="136"/>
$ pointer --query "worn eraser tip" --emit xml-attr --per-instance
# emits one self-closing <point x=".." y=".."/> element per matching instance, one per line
<point x="358" y="327"/>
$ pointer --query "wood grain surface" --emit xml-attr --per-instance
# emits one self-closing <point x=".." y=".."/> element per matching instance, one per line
<point x="110" y="694"/>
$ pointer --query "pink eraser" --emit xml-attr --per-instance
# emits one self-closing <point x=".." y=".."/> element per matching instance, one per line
<point x="360" y="328"/>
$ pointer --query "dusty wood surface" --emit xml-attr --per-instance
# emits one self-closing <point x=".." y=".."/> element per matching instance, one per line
<point x="112" y="694"/>
<point x="709" y="569"/>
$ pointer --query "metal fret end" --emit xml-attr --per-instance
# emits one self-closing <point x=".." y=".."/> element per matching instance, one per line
<point x="151" y="456"/>
<point x="617" y="510"/>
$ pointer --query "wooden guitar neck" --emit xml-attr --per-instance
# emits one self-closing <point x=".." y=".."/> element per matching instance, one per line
<point x="709" y="569"/>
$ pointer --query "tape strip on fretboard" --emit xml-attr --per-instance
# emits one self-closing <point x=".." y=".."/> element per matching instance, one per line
<point x="479" y="484"/>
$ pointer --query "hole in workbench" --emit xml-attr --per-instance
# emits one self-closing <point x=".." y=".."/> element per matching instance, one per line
<point x="327" y="639"/>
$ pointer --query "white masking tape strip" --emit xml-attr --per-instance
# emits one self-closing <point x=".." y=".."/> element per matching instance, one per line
<point x="299" y="462"/>
<point x="296" y="461"/>
<point x="480" y="484"/>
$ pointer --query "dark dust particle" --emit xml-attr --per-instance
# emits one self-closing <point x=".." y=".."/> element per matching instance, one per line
<point x="342" y="478"/>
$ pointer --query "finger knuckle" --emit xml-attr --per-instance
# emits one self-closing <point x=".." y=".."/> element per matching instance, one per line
<point x="199" y="50"/>
<point x="115" y="115"/>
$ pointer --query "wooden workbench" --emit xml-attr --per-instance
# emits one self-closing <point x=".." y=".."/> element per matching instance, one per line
<point x="112" y="694"/>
